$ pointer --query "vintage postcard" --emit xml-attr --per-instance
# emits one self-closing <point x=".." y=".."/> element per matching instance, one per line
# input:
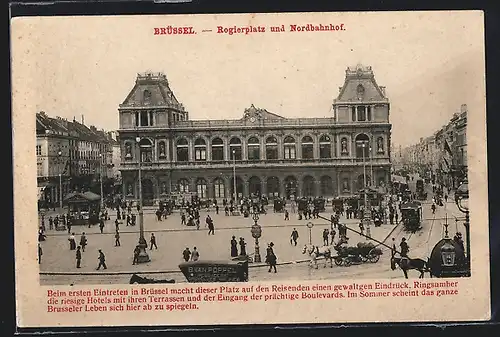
<point x="250" y="168"/>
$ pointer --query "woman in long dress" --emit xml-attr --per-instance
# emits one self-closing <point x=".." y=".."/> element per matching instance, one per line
<point x="234" y="247"/>
<point x="243" y="250"/>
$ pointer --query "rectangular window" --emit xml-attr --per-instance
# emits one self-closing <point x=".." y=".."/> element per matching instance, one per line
<point x="237" y="153"/>
<point x="217" y="153"/>
<point x="39" y="150"/>
<point x="253" y="153"/>
<point x="361" y="114"/>
<point x="369" y="113"/>
<point x="353" y="110"/>
<point x="290" y="153"/>
<point x="200" y="154"/>
<point x="144" y="118"/>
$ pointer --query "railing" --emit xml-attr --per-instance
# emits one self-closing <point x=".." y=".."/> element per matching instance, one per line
<point x="132" y="165"/>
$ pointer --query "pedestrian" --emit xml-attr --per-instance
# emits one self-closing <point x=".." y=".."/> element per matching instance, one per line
<point x="69" y="227"/>
<point x="234" y="247"/>
<point x="361" y="228"/>
<point x="51" y="224"/>
<point x="325" y="237"/>
<point x="332" y="235"/>
<point x="83" y="241"/>
<point x="183" y="219"/>
<point x="216" y="209"/>
<point x="404" y="248"/>
<point x="153" y="242"/>
<point x="394" y="250"/>
<point x="186" y="254"/>
<point x="40" y="253"/>
<point x="101" y="226"/>
<point x="102" y="260"/>
<point x="117" y="239"/>
<point x="211" y="229"/>
<point x="287" y="215"/>
<point x="137" y="251"/>
<point x="78" y="257"/>
<point x="396" y="217"/>
<point x="195" y="255"/>
<point x="271" y="257"/>
<point x="117" y="225"/>
<point x="72" y="242"/>
<point x="294" y="237"/>
<point x="243" y="250"/>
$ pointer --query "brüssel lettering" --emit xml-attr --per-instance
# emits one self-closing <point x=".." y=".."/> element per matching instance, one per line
<point x="232" y="30"/>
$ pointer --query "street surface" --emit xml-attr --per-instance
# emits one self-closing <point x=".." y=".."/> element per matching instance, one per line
<point x="172" y="238"/>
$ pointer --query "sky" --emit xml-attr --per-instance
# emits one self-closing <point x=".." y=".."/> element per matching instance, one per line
<point x="429" y="62"/>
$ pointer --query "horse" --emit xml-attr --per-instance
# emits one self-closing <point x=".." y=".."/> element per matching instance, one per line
<point x="144" y="280"/>
<point x="406" y="264"/>
<point x="314" y="252"/>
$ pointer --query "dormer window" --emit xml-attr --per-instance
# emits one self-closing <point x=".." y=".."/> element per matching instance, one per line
<point x="360" y="90"/>
<point x="146" y="95"/>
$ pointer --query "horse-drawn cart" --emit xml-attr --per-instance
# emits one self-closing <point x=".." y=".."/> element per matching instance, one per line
<point x="361" y="253"/>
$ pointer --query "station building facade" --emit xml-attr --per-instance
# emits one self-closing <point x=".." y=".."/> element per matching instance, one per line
<point x="270" y="155"/>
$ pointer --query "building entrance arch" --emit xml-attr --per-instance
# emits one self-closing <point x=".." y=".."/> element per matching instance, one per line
<point x="255" y="186"/>
<point x="273" y="187"/>
<point x="147" y="192"/>
<point x="290" y="187"/>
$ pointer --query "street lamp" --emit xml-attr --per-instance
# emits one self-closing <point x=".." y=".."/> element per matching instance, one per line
<point x="234" y="180"/>
<point x="462" y="201"/>
<point x="143" y="255"/>
<point x="310" y="225"/>
<point x="100" y="179"/>
<point x="59" y="155"/>
<point x="372" y="180"/>
<point x="256" y="234"/>
<point x="366" y="212"/>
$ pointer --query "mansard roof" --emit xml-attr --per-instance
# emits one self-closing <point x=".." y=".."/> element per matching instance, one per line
<point x="360" y="85"/>
<point x="151" y="89"/>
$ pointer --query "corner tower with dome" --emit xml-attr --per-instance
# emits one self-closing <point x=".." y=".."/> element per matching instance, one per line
<point x="271" y="154"/>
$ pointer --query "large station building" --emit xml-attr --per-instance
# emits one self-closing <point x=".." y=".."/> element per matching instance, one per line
<point x="271" y="154"/>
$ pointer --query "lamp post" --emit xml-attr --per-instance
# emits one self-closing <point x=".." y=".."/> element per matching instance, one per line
<point x="59" y="156"/>
<point x="234" y="180"/>
<point x="366" y="212"/>
<point x="100" y="179"/>
<point x="462" y="201"/>
<point x="143" y="255"/>
<point x="372" y="180"/>
<point x="310" y="225"/>
<point x="256" y="234"/>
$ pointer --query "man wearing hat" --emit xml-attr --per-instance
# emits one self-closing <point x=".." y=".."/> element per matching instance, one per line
<point x="404" y="248"/>
<point x="271" y="257"/>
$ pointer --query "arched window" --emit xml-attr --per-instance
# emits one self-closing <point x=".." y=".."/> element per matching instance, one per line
<point x="325" y="147"/>
<point x="235" y="148"/>
<point x="182" y="150"/>
<point x="289" y="148"/>
<point x="307" y="147"/>
<point x="217" y="149"/>
<point x="219" y="188"/>
<point x="183" y="186"/>
<point x="362" y="146"/>
<point x="308" y="187"/>
<point x="162" y="153"/>
<point x="253" y="148"/>
<point x="271" y="148"/>
<point x="201" y="188"/>
<point x="200" y="150"/>
<point x="146" y="150"/>
<point x="361" y="113"/>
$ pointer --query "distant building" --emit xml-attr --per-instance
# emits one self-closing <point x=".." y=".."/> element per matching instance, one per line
<point x="70" y="156"/>
<point x="442" y="156"/>
<point x="272" y="155"/>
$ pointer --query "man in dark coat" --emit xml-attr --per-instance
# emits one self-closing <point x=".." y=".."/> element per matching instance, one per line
<point x="404" y="248"/>
<point x="102" y="260"/>
<point x="271" y="257"/>
<point x="186" y="254"/>
<point x="78" y="257"/>
<point x="294" y="236"/>
<point x="243" y="244"/>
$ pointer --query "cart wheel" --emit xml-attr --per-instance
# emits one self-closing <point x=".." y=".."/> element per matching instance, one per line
<point x="338" y="261"/>
<point x="374" y="258"/>
<point x="364" y="258"/>
<point x="347" y="261"/>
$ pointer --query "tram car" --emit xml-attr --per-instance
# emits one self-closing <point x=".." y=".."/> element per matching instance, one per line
<point x="319" y="203"/>
<point x="338" y="205"/>
<point x="421" y="194"/>
<point x="411" y="216"/>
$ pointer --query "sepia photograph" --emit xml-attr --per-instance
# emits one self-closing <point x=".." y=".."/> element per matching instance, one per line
<point x="268" y="148"/>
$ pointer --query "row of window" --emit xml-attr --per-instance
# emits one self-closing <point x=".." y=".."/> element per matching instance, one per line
<point x="254" y="148"/>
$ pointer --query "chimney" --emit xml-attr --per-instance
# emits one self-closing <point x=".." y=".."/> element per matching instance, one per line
<point x="463" y="108"/>
<point x="83" y="120"/>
